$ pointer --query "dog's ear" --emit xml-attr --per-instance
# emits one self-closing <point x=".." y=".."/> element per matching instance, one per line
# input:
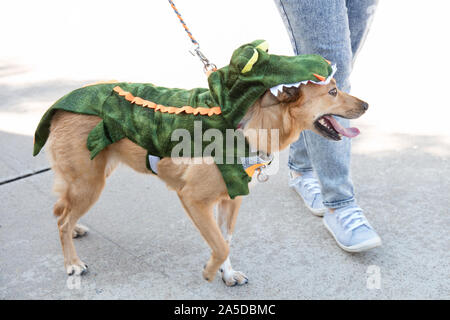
<point x="268" y="99"/>
<point x="288" y="95"/>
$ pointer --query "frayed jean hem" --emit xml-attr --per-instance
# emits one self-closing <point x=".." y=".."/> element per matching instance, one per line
<point x="293" y="167"/>
<point x="340" y="203"/>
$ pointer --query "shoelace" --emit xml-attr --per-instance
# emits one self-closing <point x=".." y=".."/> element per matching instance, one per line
<point x="352" y="218"/>
<point x="311" y="185"/>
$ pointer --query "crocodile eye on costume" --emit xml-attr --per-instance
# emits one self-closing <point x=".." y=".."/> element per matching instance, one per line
<point x="251" y="62"/>
<point x="333" y="92"/>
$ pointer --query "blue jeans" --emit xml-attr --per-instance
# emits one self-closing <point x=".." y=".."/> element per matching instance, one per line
<point x="336" y="30"/>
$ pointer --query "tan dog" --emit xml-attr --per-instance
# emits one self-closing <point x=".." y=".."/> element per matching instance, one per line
<point x="79" y="181"/>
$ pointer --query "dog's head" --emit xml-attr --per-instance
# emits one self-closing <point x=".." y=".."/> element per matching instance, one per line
<point x="252" y="70"/>
<point x="303" y="84"/>
<point x="291" y="93"/>
<point x="312" y="106"/>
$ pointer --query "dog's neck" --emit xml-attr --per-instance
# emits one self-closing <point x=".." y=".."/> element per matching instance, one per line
<point x="262" y="122"/>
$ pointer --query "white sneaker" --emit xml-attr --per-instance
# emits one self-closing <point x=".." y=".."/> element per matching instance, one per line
<point x="307" y="186"/>
<point x="350" y="229"/>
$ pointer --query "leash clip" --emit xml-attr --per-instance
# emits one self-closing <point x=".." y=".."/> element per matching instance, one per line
<point x="268" y="158"/>
<point x="207" y="65"/>
<point x="262" y="176"/>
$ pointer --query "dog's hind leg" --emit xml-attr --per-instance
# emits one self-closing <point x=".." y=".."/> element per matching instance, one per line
<point x="226" y="219"/>
<point x="78" y="180"/>
<point x="61" y="187"/>
<point x="80" y="196"/>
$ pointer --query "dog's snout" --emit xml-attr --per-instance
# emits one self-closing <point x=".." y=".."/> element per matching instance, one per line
<point x="365" y="106"/>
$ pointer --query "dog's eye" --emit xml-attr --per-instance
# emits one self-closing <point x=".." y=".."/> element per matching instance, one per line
<point x="333" y="92"/>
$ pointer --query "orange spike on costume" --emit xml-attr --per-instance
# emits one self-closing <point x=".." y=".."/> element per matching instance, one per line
<point x="129" y="96"/>
<point x="157" y="107"/>
<point x="180" y="110"/>
<point x="321" y="78"/>
<point x="171" y="109"/>
<point x="149" y="104"/>
<point x="139" y="101"/>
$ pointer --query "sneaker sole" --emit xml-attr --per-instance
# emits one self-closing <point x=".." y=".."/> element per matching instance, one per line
<point x="316" y="212"/>
<point x="363" y="246"/>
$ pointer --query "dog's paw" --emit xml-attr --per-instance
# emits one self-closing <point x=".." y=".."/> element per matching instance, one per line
<point x="233" y="278"/>
<point x="79" y="231"/>
<point x="208" y="276"/>
<point x="79" y="268"/>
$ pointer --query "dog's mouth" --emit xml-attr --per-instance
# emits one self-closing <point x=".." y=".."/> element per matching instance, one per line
<point x="328" y="127"/>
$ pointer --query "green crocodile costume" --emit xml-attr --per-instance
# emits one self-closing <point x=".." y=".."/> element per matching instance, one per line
<point x="148" y="115"/>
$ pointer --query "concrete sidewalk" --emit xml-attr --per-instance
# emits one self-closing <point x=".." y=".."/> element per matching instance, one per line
<point x="141" y="244"/>
<point x="135" y="250"/>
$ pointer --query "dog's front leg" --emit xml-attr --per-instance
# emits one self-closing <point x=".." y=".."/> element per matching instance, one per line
<point x="226" y="219"/>
<point x="202" y="215"/>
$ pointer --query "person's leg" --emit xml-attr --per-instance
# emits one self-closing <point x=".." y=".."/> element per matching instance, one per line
<point x="321" y="27"/>
<point x="303" y="179"/>
<point x="360" y="16"/>
<point x="298" y="156"/>
<point x="324" y="27"/>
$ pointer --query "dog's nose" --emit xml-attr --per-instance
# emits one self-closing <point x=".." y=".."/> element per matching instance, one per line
<point x="365" y="106"/>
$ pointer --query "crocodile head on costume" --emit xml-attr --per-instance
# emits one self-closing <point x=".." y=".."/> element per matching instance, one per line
<point x="252" y="71"/>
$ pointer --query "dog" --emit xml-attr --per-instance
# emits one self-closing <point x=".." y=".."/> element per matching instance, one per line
<point x="79" y="180"/>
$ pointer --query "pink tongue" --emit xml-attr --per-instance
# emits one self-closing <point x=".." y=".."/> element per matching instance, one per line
<point x="347" y="132"/>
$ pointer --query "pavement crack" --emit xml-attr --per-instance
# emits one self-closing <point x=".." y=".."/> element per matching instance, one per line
<point x="24" y="176"/>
